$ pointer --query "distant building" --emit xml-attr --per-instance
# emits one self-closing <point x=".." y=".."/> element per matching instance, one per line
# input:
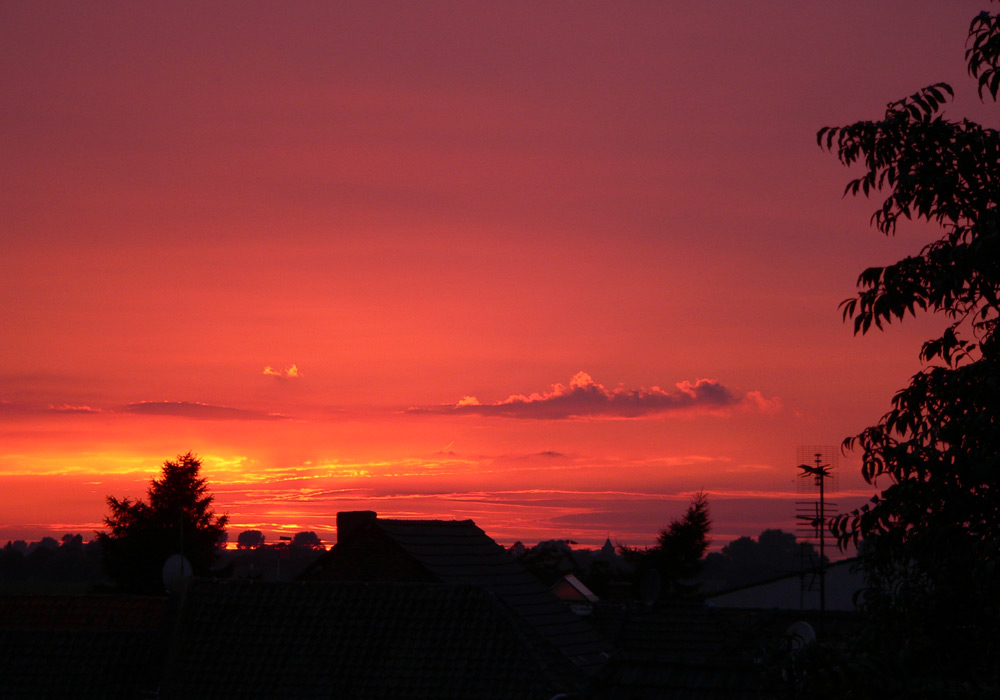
<point x="575" y="593"/>
<point x="797" y="591"/>
<point x="457" y="552"/>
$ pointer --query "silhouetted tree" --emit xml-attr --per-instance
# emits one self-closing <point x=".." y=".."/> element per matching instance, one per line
<point x="48" y="544"/>
<point x="177" y="518"/>
<point x="307" y="540"/>
<point x="679" y="551"/>
<point x="684" y="542"/>
<point x="12" y="561"/>
<point x="18" y="546"/>
<point x="72" y="565"/>
<point x="40" y="554"/>
<point x="931" y="536"/>
<point x="549" y="561"/>
<point x="71" y="542"/>
<point x="748" y="560"/>
<point x="250" y="539"/>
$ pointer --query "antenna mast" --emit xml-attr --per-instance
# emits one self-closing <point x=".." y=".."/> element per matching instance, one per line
<point x="817" y="465"/>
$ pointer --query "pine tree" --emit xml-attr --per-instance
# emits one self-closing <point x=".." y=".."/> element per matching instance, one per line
<point x="176" y="518"/>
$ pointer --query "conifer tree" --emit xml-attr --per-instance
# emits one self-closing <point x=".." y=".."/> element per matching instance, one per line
<point x="176" y="518"/>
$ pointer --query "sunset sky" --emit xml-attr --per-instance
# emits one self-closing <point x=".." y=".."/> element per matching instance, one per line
<point x="550" y="266"/>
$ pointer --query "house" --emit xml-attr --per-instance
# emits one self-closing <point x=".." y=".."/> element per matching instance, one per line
<point x="305" y="640"/>
<point x="575" y="593"/>
<point x="105" y="647"/>
<point x="798" y="591"/>
<point x="458" y="553"/>
<point x="264" y="640"/>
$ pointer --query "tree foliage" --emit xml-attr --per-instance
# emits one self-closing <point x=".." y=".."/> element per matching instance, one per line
<point x="679" y="552"/>
<point x="932" y="536"/>
<point x="551" y="560"/>
<point x="250" y="539"/>
<point x="69" y="564"/>
<point x="176" y="518"/>
<point x="683" y="543"/>
<point x="307" y="539"/>
<point x="747" y="560"/>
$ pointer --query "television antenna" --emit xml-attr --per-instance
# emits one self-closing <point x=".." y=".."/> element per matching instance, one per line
<point x="817" y="466"/>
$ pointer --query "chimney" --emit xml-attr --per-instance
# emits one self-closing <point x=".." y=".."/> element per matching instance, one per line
<point x="349" y="521"/>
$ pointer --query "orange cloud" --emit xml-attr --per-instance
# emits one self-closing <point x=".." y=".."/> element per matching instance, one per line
<point x="199" y="411"/>
<point x="585" y="398"/>
<point x="292" y="372"/>
<point x="66" y="408"/>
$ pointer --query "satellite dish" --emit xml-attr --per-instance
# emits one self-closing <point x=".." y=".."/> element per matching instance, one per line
<point x="175" y="570"/>
<point x="802" y="634"/>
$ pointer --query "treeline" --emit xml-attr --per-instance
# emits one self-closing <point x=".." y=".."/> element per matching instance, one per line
<point x="746" y="560"/>
<point x="610" y="574"/>
<point x="71" y="563"/>
<point x="677" y="566"/>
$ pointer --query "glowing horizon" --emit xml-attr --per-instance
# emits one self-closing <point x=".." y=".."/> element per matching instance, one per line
<point x="551" y="268"/>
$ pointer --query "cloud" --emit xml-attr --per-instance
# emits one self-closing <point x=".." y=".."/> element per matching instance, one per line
<point x="199" y="411"/>
<point x="756" y="400"/>
<point x="182" y="409"/>
<point x="66" y="408"/>
<point x="584" y="398"/>
<point x="290" y="373"/>
<point x="36" y="409"/>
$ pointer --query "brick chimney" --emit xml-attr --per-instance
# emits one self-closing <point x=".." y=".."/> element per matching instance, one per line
<point x="349" y="521"/>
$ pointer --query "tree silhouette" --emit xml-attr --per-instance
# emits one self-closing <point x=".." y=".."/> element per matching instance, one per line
<point x="177" y="518"/>
<point x="683" y="543"/>
<point x="250" y="539"/>
<point x="747" y="560"/>
<point x="549" y="560"/>
<point x="931" y="536"/>
<point x="679" y="552"/>
<point x="307" y="539"/>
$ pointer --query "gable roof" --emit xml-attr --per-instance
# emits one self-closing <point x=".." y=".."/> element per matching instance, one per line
<point x="357" y="640"/>
<point x="457" y="552"/>
<point x="80" y="646"/>
<point x="81" y="612"/>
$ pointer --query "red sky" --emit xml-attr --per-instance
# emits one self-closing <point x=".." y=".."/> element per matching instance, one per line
<point x="551" y="266"/>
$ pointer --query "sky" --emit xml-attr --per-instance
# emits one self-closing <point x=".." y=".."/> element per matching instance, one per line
<point x="554" y="267"/>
